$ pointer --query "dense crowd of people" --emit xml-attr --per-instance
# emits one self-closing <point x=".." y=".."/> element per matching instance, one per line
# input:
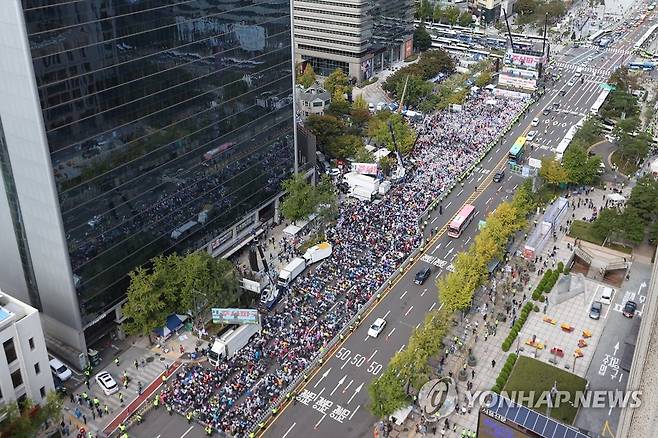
<point x="370" y="241"/>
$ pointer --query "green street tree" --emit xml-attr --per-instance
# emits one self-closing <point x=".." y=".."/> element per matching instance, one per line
<point x="363" y="155"/>
<point x="465" y="19"/>
<point x="580" y="168"/>
<point x="483" y="79"/>
<point x="633" y="225"/>
<point x="386" y="164"/>
<point x="417" y="90"/>
<point x="422" y="38"/>
<point x="452" y="15"/>
<point x="644" y="199"/>
<point x="379" y="130"/>
<point x="607" y="222"/>
<point x="307" y="78"/>
<point x="526" y="7"/>
<point x="302" y="198"/>
<point x="632" y="149"/>
<point x="150" y="300"/>
<point x="204" y="282"/>
<point x="555" y="9"/>
<point x="387" y="394"/>
<point x="27" y="421"/>
<point x="337" y="82"/>
<point x="325" y="128"/>
<point x="424" y="10"/>
<point x="359" y="118"/>
<point x="553" y="172"/>
<point x="360" y="102"/>
<point x="339" y="105"/>
<point x="438" y="14"/>
<point x="620" y="103"/>
<point x="344" y="146"/>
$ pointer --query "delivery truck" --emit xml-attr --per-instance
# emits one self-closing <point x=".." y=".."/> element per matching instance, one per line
<point x="361" y="186"/>
<point x="317" y="252"/>
<point x="291" y="271"/>
<point x="232" y="341"/>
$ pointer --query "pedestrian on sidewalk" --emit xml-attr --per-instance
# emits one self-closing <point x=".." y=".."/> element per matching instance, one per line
<point x="84" y="418"/>
<point x="106" y="409"/>
<point x="472" y="374"/>
<point x="493" y="363"/>
<point x="116" y="360"/>
<point x="136" y="364"/>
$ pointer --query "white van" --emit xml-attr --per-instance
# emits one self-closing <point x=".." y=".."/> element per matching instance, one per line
<point x="606" y="295"/>
<point x="59" y="369"/>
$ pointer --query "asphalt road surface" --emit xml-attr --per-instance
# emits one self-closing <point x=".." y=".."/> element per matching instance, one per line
<point x="334" y="400"/>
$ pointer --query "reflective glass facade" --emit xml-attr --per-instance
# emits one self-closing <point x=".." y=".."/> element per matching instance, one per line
<point x="167" y="122"/>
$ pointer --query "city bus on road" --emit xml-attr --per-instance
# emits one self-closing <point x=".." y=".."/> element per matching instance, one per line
<point x="461" y="221"/>
<point x="517" y="150"/>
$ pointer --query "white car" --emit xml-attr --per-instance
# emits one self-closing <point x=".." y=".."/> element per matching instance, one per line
<point x="531" y="135"/>
<point x="606" y="295"/>
<point x="377" y="327"/>
<point x="535" y="122"/>
<point x="571" y="82"/>
<point x="60" y="370"/>
<point x="107" y="383"/>
<point x="334" y="171"/>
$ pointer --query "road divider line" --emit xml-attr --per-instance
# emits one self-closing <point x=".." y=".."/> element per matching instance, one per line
<point x="434" y="220"/>
<point x="433" y="304"/>
<point x="387" y="313"/>
<point x="289" y="429"/>
<point x="423" y="292"/>
<point x="409" y="310"/>
<point x="401" y="348"/>
<point x="372" y="355"/>
<point x="448" y="204"/>
<point x="418" y="325"/>
<point x="318" y="423"/>
<point x="390" y="333"/>
<point x="437" y="275"/>
<point x="187" y="431"/>
<point x="403" y="294"/>
<point x="340" y="382"/>
<point x="354" y="412"/>
<point x="345" y="363"/>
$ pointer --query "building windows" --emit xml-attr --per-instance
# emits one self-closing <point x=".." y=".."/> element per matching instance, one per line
<point x="37" y="368"/>
<point x="324" y="66"/>
<point x="10" y="350"/>
<point x="332" y="51"/>
<point x="17" y="378"/>
<point x="337" y="14"/>
<point x="31" y="343"/>
<point x="42" y="391"/>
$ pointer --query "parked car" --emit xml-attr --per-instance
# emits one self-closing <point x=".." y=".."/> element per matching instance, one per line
<point x="60" y="370"/>
<point x="629" y="309"/>
<point x="535" y="121"/>
<point x="595" y="310"/>
<point x="498" y="176"/>
<point x="376" y="327"/>
<point x="531" y="135"/>
<point x="606" y="295"/>
<point x="546" y="111"/>
<point x="107" y="383"/>
<point x="422" y="275"/>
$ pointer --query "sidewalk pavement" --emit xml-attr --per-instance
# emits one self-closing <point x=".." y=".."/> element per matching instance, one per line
<point x="150" y="365"/>
<point x="485" y="342"/>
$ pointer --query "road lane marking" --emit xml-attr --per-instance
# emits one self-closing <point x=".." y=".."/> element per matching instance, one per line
<point x="354" y="411"/>
<point x="449" y="243"/>
<point x="467" y="240"/>
<point x="372" y="355"/>
<point x="489" y="200"/>
<point x="390" y="333"/>
<point x="423" y="292"/>
<point x="340" y="382"/>
<point x="417" y="325"/>
<point x="346" y="362"/>
<point x="433" y="304"/>
<point x="187" y="431"/>
<point x="387" y="314"/>
<point x="460" y="193"/>
<point x="402" y="296"/>
<point x="366" y="339"/>
<point x="401" y="348"/>
<point x="434" y="220"/>
<point x="348" y="385"/>
<point x="437" y="275"/>
<point x="487" y="183"/>
<point x="289" y="429"/>
<point x="409" y="310"/>
<point x="318" y="423"/>
<point x="356" y="391"/>
<point x="319" y="393"/>
<point x="448" y="204"/>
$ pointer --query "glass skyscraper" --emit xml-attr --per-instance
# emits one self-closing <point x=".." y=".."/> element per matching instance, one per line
<point x="132" y="128"/>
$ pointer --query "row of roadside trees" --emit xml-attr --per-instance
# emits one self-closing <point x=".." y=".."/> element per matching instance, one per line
<point x="409" y="369"/>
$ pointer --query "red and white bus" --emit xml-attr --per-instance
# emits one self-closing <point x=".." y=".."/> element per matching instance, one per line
<point x="461" y="221"/>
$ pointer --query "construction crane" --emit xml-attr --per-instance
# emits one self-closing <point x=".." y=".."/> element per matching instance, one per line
<point x="404" y="92"/>
<point x="400" y="170"/>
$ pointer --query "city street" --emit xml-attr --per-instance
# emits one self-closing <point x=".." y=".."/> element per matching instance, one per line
<point x="334" y="400"/>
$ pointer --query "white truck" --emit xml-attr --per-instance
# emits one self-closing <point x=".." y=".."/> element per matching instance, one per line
<point x="361" y="186"/>
<point x="317" y="252"/>
<point x="291" y="271"/>
<point x="231" y="342"/>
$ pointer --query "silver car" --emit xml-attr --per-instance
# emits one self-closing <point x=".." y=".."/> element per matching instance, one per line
<point x="595" y="310"/>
